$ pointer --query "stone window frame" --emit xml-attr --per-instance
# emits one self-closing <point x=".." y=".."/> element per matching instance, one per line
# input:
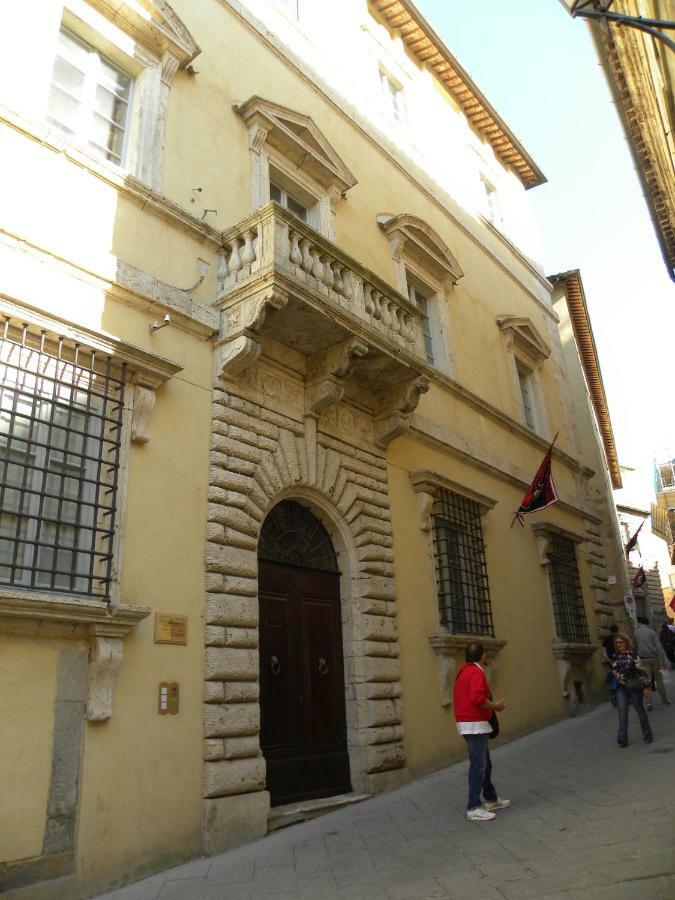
<point x="150" y="49"/>
<point x="449" y="648"/>
<point x="291" y="143"/>
<point x="103" y="623"/>
<point x="574" y="659"/>
<point x="526" y="347"/>
<point x="417" y="250"/>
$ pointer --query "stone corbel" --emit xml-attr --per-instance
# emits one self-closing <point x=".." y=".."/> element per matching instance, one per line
<point x="448" y="647"/>
<point x="257" y="135"/>
<point x="169" y="64"/>
<point x="329" y="371"/>
<point x="260" y="306"/>
<point x="395" y="407"/>
<point x="574" y="659"/>
<point x="235" y="356"/>
<point x="321" y="396"/>
<point x="145" y="386"/>
<point x="105" y="658"/>
<point x="427" y="484"/>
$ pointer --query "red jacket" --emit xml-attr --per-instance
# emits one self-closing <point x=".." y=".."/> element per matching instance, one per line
<point x="471" y="691"/>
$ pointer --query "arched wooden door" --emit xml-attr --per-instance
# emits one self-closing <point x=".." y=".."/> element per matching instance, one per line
<point x="303" y="731"/>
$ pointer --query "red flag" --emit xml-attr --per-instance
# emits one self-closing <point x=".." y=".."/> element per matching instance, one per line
<point x="542" y="492"/>
<point x="640" y="578"/>
<point x="630" y="546"/>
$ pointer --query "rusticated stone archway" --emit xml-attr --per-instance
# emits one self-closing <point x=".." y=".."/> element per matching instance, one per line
<point x="258" y="457"/>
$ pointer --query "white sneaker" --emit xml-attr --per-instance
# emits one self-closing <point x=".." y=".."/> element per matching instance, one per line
<point x="492" y="805"/>
<point x="479" y="814"/>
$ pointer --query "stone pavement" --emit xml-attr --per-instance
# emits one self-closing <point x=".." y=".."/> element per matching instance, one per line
<point x="587" y="820"/>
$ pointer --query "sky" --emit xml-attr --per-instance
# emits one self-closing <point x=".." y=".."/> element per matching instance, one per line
<point x="539" y="69"/>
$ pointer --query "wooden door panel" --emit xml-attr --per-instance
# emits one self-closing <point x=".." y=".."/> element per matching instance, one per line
<point x="278" y="711"/>
<point x="303" y="724"/>
<point x="322" y="674"/>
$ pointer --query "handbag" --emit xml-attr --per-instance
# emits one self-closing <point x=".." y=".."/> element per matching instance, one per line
<point x="494" y="725"/>
<point x="634" y="684"/>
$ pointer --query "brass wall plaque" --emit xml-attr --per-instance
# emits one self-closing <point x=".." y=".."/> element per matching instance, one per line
<point x="169" y="698"/>
<point x="170" y="629"/>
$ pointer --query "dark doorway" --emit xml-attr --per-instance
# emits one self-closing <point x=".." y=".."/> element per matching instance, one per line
<point x="303" y="730"/>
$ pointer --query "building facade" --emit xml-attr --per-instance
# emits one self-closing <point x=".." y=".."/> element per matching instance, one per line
<point x="276" y="371"/>
<point x="633" y="39"/>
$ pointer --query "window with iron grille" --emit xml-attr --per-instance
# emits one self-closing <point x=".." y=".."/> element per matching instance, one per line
<point x="61" y="409"/>
<point x="461" y="569"/>
<point x="568" y="603"/>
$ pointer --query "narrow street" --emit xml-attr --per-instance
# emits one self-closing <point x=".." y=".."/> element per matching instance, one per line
<point x="587" y="820"/>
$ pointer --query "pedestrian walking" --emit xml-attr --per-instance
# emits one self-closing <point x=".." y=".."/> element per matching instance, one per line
<point x="474" y="708"/>
<point x="607" y="653"/>
<point x="667" y="638"/>
<point x="648" y="648"/>
<point x="632" y="682"/>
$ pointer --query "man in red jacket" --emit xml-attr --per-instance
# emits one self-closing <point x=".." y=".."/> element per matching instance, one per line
<point x="473" y="707"/>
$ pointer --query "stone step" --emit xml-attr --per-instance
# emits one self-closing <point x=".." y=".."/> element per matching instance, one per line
<point x="301" y="811"/>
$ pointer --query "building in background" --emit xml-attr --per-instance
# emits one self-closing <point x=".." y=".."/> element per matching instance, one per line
<point x="276" y="371"/>
<point x="638" y="58"/>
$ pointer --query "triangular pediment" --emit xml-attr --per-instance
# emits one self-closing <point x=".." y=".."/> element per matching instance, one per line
<point x="419" y="241"/>
<point x="154" y="24"/>
<point x="525" y="336"/>
<point x="297" y="137"/>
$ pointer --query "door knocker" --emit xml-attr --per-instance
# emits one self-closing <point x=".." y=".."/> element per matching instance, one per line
<point x="275" y="668"/>
<point x="323" y="666"/>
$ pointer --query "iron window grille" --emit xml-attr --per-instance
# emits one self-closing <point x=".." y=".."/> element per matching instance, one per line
<point x="568" y="604"/>
<point x="61" y="414"/>
<point x="461" y="568"/>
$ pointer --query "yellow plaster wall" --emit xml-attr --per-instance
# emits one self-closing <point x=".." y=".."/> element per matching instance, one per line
<point x="27" y="690"/>
<point x="527" y="672"/>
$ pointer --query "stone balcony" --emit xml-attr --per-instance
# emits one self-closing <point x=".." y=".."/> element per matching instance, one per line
<point x="280" y="279"/>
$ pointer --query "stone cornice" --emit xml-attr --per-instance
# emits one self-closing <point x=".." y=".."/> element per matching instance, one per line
<point x="439" y="438"/>
<point x="627" y="57"/>
<point x="403" y="18"/>
<point x="131" y="187"/>
<point x="548" y="528"/>
<point x="156" y="27"/>
<point x="428" y="482"/>
<point x="132" y="287"/>
<point x="88" y="615"/>
<point x="588" y="354"/>
<point x="569" y="651"/>
<point x="147" y="369"/>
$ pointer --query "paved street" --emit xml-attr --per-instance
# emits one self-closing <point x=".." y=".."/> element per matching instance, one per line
<point x="587" y="821"/>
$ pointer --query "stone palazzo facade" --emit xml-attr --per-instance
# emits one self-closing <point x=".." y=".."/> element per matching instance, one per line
<point x="317" y="370"/>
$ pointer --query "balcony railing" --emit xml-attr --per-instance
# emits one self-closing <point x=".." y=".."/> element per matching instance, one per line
<point x="273" y="241"/>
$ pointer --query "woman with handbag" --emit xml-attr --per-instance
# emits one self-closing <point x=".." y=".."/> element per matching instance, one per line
<point x="632" y="682"/>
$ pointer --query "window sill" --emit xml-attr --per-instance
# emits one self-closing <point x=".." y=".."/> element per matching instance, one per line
<point x="40" y="614"/>
<point x="448" y="647"/>
<point x="575" y="665"/>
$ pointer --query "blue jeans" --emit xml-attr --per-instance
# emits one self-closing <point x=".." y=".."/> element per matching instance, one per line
<point x="624" y="698"/>
<point x="480" y="770"/>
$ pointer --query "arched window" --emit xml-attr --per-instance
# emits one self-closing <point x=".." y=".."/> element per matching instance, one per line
<point x="291" y="534"/>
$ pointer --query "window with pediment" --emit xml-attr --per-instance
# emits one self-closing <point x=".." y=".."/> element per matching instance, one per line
<point x="527" y="352"/>
<point x="110" y="81"/>
<point x="293" y="163"/>
<point x="426" y="271"/>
